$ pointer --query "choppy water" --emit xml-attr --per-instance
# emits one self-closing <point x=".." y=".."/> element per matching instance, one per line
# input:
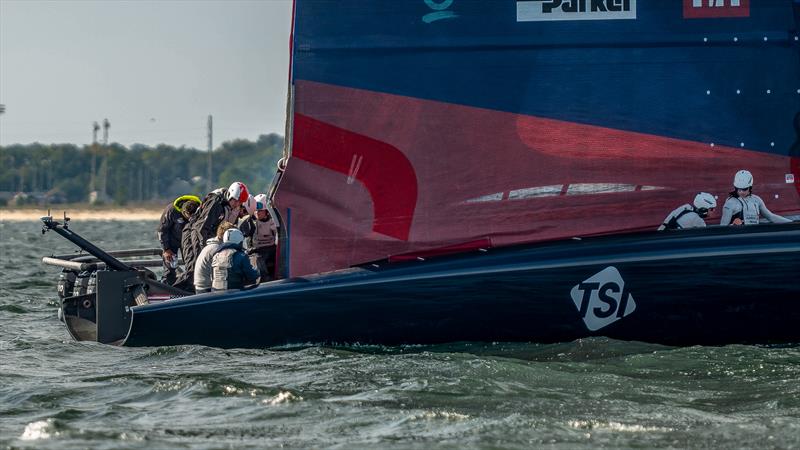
<point x="55" y="393"/>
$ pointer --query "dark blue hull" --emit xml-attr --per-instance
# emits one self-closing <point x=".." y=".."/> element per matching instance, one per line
<point x="708" y="287"/>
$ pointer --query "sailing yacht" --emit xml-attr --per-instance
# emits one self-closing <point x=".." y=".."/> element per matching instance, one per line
<point x="464" y="170"/>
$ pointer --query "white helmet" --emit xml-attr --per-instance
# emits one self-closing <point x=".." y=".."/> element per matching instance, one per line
<point x="261" y="202"/>
<point x="703" y="202"/>
<point x="233" y="236"/>
<point x="250" y="205"/>
<point x="743" y="179"/>
<point x="237" y="191"/>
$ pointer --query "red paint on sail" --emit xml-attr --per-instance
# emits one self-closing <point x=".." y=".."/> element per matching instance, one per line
<point x="381" y="168"/>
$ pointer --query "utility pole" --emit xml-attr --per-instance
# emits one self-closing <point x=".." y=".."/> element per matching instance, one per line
<point x="93" y="181"/>
<point x="104" y="165"/>
<point x="140" y="191"/>
<point x="106" y="126"/>
<point x="209" y="185"/>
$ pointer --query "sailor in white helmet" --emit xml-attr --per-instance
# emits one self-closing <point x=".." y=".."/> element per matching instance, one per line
<point x="745" y="208"/>
<point x="690" y="216"/>
<point x="260" y="233"/>
<point x="220" y="205"/>
<point x="230" y="268"/>
<point x="202" y="268"/>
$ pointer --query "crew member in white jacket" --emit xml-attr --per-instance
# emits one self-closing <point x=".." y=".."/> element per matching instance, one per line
<point x="690" y="216"/>
<point x="745" y="208"/>
<point x="202" y="268"/>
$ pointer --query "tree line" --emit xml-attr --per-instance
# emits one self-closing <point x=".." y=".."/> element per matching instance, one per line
<point x="56" y="173"/>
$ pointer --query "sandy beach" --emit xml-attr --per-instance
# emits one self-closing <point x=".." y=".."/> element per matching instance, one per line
<point x="117" y="214"/>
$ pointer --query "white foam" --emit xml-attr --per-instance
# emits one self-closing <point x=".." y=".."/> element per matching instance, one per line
<point x="614" y="426"/>
<point x="233" y="390"/>
<point x="282" y="397"/>
<point x="42" y="429"/>
<point x="447" y="415"/>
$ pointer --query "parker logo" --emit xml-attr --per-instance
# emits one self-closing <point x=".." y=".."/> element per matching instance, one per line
<point x="704" y="9"/>
<point x="602" y="299"/>
<point x="544" y="10"/>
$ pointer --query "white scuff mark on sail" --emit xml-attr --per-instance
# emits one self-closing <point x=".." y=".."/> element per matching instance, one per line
<point x="533" y="192"/>
<point x="496" y="197"/>
<point x="652" y="188"/>
<point x="355" y="164"/>
<point x="599" y="188"/>
<point x="43" y="429"/>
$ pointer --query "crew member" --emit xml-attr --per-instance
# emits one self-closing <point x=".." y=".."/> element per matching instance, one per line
<point x="743" y="207"/>
<point x="202" y="269"/>
<point x="170" y="229"/>
<point x="230" y="268"/>
<point x="690" y="216"/>
<point x="218" y="206"/>
<point x="260" y="231"/>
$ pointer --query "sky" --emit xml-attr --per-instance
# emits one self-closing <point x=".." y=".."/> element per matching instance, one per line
<point x="155" y="69"/>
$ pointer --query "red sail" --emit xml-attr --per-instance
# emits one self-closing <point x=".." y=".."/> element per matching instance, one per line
<point x="411" y="136"/>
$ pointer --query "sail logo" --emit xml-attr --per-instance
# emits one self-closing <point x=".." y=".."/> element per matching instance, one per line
<point x="551" y="10"/>
<point x="602" y="299"/>
<point x="439" y="11"/>
<point x="704" y="9"/>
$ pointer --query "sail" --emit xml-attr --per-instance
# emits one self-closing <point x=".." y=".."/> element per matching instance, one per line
<point x="420" y="125"/>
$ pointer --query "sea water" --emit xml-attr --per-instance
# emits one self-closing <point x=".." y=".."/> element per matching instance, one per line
<point x="56" y="393"/>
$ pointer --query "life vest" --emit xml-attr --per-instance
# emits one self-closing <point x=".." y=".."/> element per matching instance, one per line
<point x="749" y="213"/>
<point x="673" y="224"/>
<point x="264" y="235"/>
<point x="221" y="269"/>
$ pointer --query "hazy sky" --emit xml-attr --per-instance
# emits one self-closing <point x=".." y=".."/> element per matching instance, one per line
<point x="155" y="69"/>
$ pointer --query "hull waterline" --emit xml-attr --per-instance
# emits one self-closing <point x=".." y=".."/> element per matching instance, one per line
<point x="713" y="287"/>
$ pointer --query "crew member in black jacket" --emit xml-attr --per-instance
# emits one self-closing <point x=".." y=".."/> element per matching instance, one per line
<point x="170" y="230"/>
<point x="218" y="206"/>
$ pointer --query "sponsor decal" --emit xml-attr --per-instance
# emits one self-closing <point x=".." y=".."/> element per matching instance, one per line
<point x="439" y="10"/>
<point x="789" y="178"/>
<point x="602" y="299"/>
<point x="547" y="10"/>
<point x="704" y="9"/>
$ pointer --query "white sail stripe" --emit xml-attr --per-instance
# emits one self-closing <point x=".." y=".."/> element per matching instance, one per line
<point x="599" y="188"/>
<point x="532" y="192"/>
<point x="554" y="190"/>
<point x="496" y="197"/>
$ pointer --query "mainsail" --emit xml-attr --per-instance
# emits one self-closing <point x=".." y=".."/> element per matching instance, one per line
<point x="432" y="124"/>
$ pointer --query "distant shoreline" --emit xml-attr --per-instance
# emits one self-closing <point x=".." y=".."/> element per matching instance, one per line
<point x="116" y="213"/>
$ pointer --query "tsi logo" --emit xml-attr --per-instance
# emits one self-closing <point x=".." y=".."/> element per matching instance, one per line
<point x="602" y="299"/>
